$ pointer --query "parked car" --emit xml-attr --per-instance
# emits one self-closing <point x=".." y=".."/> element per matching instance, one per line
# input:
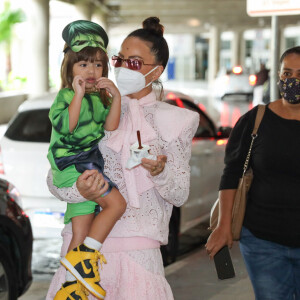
<point x="207" y="163"/>
<point x="23" y="161"/>
<point x="15" y="244"/>
<point x="236" y="81"/>
<point x="24" y="148"/>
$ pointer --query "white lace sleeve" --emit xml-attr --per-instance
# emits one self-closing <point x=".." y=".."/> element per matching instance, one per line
<point x="173" y="183"/>
<point x="67" y="194"/>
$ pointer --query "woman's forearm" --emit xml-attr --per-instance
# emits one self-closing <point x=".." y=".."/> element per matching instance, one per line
<point x="67" y="194"/>
<point x="226" y="199"/>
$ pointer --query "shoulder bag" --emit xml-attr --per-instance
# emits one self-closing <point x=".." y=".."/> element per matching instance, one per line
<point x="240" y="200"/>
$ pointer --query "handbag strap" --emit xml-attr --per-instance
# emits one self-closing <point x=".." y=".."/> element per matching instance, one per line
<point x="259" y="115"/>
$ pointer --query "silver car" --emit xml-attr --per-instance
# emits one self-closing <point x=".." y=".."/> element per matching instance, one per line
<point x="237" y="81"/>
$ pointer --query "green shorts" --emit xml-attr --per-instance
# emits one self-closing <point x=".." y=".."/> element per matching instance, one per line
<point x="79" y="209"/>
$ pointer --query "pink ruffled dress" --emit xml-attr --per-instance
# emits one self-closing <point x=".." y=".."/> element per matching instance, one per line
<point x="134" y="268"/>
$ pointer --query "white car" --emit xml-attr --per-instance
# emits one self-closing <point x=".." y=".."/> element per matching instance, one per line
<point x="234" y="82"/>
<point x="23" y="158"/>
<point x="23" y="161"/>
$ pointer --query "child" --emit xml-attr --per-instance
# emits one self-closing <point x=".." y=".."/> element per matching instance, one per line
<point x="80" y="113"/>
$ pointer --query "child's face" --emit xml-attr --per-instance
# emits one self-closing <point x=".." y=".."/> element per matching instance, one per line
<point x="89" y="71"/>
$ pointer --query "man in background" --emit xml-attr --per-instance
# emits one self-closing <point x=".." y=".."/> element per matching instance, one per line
<point x="261" y="77"/>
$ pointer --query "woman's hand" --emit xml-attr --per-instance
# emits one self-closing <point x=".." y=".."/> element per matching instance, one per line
<point x="155" y="167"/>
<point x="91" y="185"/>
<point x="217" y="240"/>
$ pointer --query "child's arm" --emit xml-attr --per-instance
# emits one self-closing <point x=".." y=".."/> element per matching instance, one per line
<point x="113" y="117"/>
<point x="75" y="105"/>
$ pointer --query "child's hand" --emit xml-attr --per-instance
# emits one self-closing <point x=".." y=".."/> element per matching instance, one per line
<point x="78" y="85"/>
<point x="105" y="83"/>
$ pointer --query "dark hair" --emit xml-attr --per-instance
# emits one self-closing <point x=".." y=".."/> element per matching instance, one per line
<point x="294" y="50"/>
<point x="152" y="33"/>
<point x="86" y="54"/>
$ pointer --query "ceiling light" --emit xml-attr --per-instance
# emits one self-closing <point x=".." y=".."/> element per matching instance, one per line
<point x="194" y="22"/>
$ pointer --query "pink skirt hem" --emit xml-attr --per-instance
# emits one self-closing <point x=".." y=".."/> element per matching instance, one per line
<point x="123" y="279"/>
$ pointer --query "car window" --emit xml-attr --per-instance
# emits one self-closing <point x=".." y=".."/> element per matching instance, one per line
<point x="30" y="126"/>
<point x="206" y="127"/>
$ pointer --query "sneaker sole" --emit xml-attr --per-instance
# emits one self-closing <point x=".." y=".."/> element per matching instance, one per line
<point x="69" y="267"/>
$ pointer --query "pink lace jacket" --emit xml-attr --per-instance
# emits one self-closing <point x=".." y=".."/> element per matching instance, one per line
<point x="171" y="131"/>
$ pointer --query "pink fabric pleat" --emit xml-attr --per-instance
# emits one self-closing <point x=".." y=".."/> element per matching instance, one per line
<point x="126" y="135"/>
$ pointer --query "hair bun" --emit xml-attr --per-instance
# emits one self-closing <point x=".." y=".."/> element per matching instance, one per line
<point x="152" y="24"/>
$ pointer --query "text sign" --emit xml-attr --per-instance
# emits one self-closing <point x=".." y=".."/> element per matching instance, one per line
<point x="256" y="8"/>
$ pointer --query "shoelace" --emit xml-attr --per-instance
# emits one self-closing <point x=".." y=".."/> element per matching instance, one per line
<point x="98" y="256"/>
<point x="101" y="258"/>
<point x="82" y="291"/>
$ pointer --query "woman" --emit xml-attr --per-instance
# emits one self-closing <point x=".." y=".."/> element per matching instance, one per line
<point x="134" y="268"/>
<point x="270" y="238"/>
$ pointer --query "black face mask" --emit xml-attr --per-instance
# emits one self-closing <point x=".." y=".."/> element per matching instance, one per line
<point x="290" y="90"/>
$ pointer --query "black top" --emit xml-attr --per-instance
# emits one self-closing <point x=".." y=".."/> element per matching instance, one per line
<point x="273" y="206"/>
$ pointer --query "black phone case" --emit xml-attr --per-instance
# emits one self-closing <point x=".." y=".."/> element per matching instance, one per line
<point x="224" y="264"/>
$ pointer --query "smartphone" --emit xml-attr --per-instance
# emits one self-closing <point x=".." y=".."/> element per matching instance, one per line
<point x="224" y="264"/>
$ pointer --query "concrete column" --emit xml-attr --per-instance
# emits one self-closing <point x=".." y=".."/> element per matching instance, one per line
<point x="242" y="49"/>
<point x="213" y="54"/>
<point x="100" y="18"/>
<point x="92" y="12"/>
<point x="85" y="8"/>
<point x="282" y="41"/>
<point x="236" y="48"/>
<point x="38" y="37"/>
<point x="275" y="40"/>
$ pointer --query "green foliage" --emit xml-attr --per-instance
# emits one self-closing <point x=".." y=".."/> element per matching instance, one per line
<point x="8" y="18"/>
<point x="13" y="83"/>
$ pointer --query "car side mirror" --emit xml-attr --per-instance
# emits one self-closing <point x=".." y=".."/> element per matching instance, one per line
<point x="224" y="132"/>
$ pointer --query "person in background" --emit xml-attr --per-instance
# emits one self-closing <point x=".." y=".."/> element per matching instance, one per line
<point x="270" y="237"/>
<point x="261" y="77"/>
<point x="87" y="103"/>
<point x="134" y="268"/>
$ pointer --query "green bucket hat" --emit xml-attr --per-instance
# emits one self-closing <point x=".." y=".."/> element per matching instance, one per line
<point x="81" y="33"/>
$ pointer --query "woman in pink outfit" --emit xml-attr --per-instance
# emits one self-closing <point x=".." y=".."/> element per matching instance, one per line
<point x="134" y="268"/>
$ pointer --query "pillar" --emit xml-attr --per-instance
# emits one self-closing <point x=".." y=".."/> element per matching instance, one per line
<point x="213" y="54"/>
<point x="275" y="40"/>
<point x="38" y="38"/>
<point x="85" y="8"/>
<point x="236" y="48"/>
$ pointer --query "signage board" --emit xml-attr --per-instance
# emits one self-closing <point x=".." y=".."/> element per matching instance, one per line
<point x="257" y="8"/>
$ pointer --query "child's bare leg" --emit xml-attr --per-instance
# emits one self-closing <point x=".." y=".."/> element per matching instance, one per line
<point x="80" y="228"/>
<point x="113" y="207"/>
<point x="82" y="262"/>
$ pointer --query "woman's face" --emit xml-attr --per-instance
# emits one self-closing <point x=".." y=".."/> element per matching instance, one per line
<point x="290" y="67"/>
<point x="133" y="47"/>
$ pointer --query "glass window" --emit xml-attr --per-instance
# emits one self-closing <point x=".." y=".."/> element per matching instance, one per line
<point x="30" y="126"/>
